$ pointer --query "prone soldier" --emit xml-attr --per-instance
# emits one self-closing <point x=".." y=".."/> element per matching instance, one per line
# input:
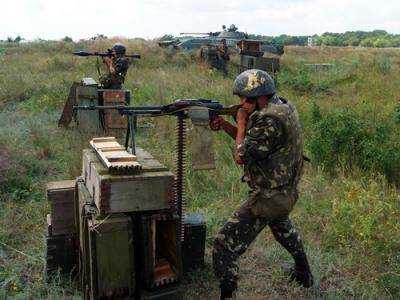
<point x="117" y="66"/>
<point x="269" y="146"/>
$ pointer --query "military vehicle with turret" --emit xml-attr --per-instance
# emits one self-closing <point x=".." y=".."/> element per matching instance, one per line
<point x="194" y="41"/>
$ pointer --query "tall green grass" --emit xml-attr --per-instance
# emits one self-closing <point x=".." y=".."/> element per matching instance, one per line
<point x="348" y="210"/>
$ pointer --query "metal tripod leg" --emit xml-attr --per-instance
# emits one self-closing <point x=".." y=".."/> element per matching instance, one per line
<point x="130" y="134"/>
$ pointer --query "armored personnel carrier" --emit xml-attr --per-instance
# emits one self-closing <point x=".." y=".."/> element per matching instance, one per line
<point x="193" y="41"/>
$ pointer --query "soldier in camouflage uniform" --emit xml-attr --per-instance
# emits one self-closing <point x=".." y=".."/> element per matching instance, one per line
<point x="117" y="66"/>
<point x="269" y="145"/>
<point x="223" y="57"/>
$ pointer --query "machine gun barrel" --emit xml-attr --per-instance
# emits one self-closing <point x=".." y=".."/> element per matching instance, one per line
<point x="102" y="54"/>
<point x="174" y="108"/>
<point x="203" y="33"/>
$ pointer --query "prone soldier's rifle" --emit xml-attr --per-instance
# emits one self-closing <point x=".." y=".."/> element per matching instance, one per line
<point x="200" y="111"/>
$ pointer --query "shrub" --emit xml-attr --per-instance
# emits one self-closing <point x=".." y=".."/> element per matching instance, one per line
<point x="343" y="138"/>
<point x="299" y="79"/>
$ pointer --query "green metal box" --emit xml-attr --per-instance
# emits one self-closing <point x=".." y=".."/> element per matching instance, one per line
<point x="87" y="95"/>
<point x="112" y="272"/>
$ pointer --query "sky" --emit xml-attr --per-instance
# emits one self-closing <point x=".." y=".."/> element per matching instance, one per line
<point x="55" y="19"/>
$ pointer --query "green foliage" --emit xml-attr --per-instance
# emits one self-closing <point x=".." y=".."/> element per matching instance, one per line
<point x="296" y="78"/>
<point x="344" y="138"/>
<point x="15" y="40"/>
<point x="383" y="64"/>
<point x="376" y="38"/>
<point x="67" y="39"/>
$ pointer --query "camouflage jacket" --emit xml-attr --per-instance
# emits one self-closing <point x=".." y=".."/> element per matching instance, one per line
<point x="222" y="51"/>
<point x="273" y="149"/>
<point x="121" y="65"/>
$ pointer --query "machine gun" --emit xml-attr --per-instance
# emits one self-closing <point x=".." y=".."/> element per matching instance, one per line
<point x="103" y="54"/>
<point x="200" y="111"/>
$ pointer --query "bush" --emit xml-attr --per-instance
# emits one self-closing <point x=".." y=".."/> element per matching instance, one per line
<point x="299" y="79"/>
<point x="344" y="138"/>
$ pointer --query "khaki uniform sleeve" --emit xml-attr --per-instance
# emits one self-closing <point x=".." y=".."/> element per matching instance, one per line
<point x="263" y="139"/>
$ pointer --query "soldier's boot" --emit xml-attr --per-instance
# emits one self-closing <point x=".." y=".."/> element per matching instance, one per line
<point x="300" y="272"/>
<point x="227" y="290"/>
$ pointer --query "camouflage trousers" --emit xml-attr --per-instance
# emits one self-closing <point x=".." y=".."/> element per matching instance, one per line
<point x="222" y="66"/>
<point x="243" y="227"/>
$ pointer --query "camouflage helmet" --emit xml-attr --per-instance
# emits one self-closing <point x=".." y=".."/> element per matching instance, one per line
<point x="254" y="83"/>
<point x="118" y="48"/>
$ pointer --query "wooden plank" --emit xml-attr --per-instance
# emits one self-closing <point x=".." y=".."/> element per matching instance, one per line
<point x="106" y="149"/>
<point x="67" y="113"/>
<point x="118" y="161"/>
<point x="104" y="139"/>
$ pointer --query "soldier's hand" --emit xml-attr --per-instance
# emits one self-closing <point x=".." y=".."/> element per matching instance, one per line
<point x="238" y="158"/>
<point x="216" y="123"/>
<point x="107" y="60"/>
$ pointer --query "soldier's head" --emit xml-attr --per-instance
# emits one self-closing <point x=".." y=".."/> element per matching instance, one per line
<point x="254" y="88"/>
<point x="118" y="49"/>
<point x="223" y="41"/>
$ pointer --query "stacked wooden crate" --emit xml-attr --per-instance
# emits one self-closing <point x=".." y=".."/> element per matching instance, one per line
<point x="62" y="255"/>
<point x="129" y="244"/>
<point x="120" y="231"/>
<point x="114" y="123"/>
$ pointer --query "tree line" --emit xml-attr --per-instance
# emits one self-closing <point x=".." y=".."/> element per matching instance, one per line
<point x="376" y="38"/>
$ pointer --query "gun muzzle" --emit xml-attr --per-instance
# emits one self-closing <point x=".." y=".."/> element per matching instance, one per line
<point x="82" y="53"/>
<point x="134" y="55"/>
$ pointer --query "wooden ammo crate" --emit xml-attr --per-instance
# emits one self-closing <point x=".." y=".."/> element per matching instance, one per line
<point x="149" y="189"/>
<point x="114" y="123"/>
<point x="87" y="95"/>
<point x="85" y="210"/>
<point x="159" y="250"/>
<point x="106" y="263"/>
<point x="62" y="255"/>
<point x="61" y="196"/>
<point x="112" y="272"/>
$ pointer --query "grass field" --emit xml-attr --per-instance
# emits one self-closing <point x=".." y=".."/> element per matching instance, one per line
<point x="349" y="210"/>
